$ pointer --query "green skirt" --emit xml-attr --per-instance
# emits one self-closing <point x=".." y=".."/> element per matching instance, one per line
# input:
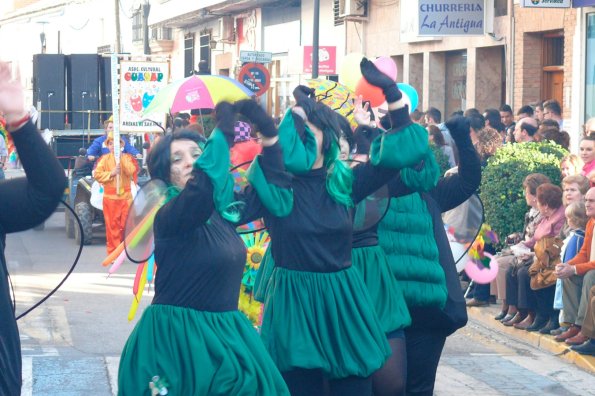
<point x="263" y="276"/>
<point x="197" y="353"/>
<point x="387" y="296"/>
<point x="326" y="321"/>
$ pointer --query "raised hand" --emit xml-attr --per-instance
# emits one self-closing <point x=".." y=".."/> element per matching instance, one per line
<point x="12" y="102"/>
<point x="361" y="115"/>
<point x="458" y="127"/>
<point x="258" y="116"/>
<point x="380" y="80"/>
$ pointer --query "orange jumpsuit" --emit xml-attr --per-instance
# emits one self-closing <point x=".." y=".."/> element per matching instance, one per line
<point x="115" y="203"/>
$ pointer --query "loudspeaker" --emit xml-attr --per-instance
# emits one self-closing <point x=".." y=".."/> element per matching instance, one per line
<point x="105" y="86"/>
<point x="67" y="147"/>
<point x="83" y="90"/>
<point x="49" y="87"/>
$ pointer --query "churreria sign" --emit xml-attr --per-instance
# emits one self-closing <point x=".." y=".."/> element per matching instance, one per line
<point x="451" y="17"/>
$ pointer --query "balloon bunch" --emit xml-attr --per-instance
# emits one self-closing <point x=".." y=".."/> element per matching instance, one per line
<point x="351" y="76"/>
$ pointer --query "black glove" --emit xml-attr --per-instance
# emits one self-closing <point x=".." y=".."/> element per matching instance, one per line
<point x="375" y="77"/>
<point x="304" y="98"/>
<point x="459" y="129"/>
<point x="363" y="136"/>
<point x="257" y="116"/>
<point x="225" y="117"/>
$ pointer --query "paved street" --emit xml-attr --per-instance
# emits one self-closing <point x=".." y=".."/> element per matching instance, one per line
<point x="71" y="344"/>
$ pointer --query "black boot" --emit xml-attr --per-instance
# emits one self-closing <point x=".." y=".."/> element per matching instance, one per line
<point x="553" y="323"/>
<point x="539" y="322"/>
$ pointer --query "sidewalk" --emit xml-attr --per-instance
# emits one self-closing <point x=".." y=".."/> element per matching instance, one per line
<point x="485" y="315"/>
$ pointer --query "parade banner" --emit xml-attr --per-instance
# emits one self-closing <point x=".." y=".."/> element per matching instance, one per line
<point x="139" y="82"/>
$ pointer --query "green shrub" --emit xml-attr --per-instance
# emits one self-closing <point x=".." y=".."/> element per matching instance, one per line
<point x="441" y="159"/>
<point x="502" y="182"/>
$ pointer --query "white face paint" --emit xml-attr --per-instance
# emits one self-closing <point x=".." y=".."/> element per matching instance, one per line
<point x="184" y="153"/>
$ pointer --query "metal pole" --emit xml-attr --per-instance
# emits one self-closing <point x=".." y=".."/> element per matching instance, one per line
<point x="118" y="48"/>
<point x="146" y="10"/>
<point x="315" y="39"/>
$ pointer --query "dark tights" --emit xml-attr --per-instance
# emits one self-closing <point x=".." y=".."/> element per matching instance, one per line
<point x="303" y="382"/>
<point x="390" y="380"/>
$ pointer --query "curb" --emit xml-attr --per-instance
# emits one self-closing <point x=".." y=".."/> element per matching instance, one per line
<point x="485" y="316"/>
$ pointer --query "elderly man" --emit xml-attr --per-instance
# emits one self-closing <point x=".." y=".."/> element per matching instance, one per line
<point x="578" y="277"/>
<point x="525" y="130"/>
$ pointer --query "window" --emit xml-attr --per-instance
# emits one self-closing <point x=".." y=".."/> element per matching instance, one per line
<point x="337" y="11"/>
<point x="553" y="51"/>
<point x="500" y="7"/>
<point x="188" y="54"/>
<point x="205" y="46"/>
<point x="161" y="33"/>
<point x="137" y="26"/>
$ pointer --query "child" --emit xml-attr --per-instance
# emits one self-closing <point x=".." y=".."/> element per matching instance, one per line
<point x="576" y="218"/>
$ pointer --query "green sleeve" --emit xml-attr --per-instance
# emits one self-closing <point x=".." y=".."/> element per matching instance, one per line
<point x="425" y="179"/>
<point x="297" y="155"/>
<point x="215" y="162"/>
<point x="401" y="148"/>
<point x="277" y="200"/>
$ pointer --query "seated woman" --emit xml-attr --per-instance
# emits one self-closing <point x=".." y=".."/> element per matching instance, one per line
<point x="547" y="252"/>
<point x="510" y="265"/>
<point x="192" y="339"/>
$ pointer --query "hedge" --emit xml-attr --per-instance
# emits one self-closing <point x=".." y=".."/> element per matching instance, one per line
<point x="502" y="182"/>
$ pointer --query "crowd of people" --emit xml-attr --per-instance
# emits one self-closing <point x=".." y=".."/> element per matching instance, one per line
<point x="347" y="310"/>
<point x="545" y="279"/>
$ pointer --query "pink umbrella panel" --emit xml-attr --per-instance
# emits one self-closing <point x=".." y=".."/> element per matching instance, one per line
<point x="197" y="92"/>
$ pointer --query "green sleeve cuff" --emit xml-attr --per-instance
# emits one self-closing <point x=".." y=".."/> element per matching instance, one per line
<point x="425" y="179"/>
<point x="297" y="155"/>
<point x="215" y="162"/>
<point x="401" y="148"/>
<point x="278" y="201"/>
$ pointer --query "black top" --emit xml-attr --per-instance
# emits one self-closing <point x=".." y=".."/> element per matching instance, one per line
<point x="24" y="203"/>
<point x="199" y="256"/>
<point x="316" y="235"/>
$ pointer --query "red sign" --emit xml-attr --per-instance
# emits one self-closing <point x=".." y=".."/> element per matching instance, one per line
<point x="255" y="77"/>
<point x="327" y="60"/>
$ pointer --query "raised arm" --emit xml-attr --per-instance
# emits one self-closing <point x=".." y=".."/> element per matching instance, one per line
<point x="26" y="202"/>
<point x="453" y="190"/>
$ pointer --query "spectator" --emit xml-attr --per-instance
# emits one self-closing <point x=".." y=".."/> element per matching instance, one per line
<point x="525" y="130"/>
<point x="587" y="153"/>
<point x="434" y="117"/>
<point x="525" y="111"/>
<point x="538" y="114"/>
<point x="515" y="277"/>
<point x="589" y="127"/>
<point x="471" y="112"/>
<point x="418" y="117"/>
<point x="547" y="251"/>
<point x="588" y="328"/>
<point x="552" y="110"/>
<point x="571" y="165"/>
<point x="476" y="124"/>
<point x="99" y="147"/>
<point x="488" y="141"/>
<point x="578" y="277"/>
<point x="437" y="138"/>
<point x="116" y="201"/>
<point x="492" y="118"/>
<point x="561" y="138"/>
<point x="507" y="118"/>
<point x="574" y="189"/>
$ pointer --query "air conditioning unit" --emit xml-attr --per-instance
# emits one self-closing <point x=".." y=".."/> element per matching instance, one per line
<point x="227" y="30"/>
<point x="349" y="8"/>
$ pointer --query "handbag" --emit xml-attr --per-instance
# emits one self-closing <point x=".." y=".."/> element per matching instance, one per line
<point x="547" y="256"/>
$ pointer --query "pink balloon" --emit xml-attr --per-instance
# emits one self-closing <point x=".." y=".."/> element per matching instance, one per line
<point x="386" y="65"/>
<point x="480" y="274"/>
<point x="369" y="92"/>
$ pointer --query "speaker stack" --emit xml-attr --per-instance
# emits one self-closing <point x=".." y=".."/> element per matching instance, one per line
<point x="49" y="87"/>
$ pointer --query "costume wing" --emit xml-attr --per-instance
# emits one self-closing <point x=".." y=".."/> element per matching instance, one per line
<point x="138" y="233"/>
<point x="40" y="260"/>
<point x="463" y="225"/>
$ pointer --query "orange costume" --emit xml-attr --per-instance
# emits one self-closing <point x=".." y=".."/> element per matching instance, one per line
<point x="115" y="203"/>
